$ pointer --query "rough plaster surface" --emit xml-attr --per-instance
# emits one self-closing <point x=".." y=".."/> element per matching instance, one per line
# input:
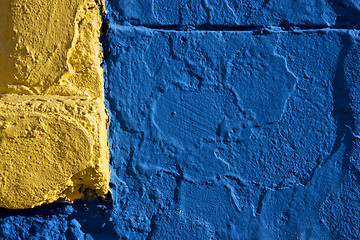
<point x="221" y="131"/>
<point x="51" y="48"/>
<point x="51" y="148"/>
<point x="205" y="14"/>
<point x="53" y="121"/>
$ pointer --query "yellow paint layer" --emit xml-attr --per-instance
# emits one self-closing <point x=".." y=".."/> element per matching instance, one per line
<point x="51" y="47"/>
<point x="53" y="122"/>
<point x="51" y="147"/>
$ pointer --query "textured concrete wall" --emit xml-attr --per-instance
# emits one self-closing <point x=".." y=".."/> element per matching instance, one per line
<point x="229" y="120"/>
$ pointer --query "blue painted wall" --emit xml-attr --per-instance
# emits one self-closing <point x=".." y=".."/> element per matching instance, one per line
<point x="229" y="120"/>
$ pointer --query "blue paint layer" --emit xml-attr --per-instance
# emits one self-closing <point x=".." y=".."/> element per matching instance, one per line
<point x="226" y="131"/>
<point x="204" y="14"/>
<point x="237" y="134"/>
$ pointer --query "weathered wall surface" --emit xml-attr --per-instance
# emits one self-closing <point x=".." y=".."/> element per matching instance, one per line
<point x="53" y="121"/>
<point x="205" y="14"/>
<point x="234" y="119"/>
<point x="229" y="120"/>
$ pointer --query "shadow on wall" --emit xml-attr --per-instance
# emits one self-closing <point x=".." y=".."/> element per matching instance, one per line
<point x="74" y="221"/>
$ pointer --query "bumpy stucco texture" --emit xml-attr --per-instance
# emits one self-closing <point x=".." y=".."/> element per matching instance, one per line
<point x="50" y="47"/>
<point x="205" y="14"/>
<point x="234" y="134"/>
<point x="229" y="120"/>
<point x="51" y="147"/>
<point x="53" y="121"/>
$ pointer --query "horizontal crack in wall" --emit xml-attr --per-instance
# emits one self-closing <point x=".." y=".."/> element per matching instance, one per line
<point x="254" y="28"/>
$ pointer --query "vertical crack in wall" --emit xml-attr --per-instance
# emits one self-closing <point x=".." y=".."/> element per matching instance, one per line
<point x="342" y="111"/>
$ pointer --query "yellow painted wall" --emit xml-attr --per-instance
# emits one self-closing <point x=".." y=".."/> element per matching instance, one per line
<point x="53" y="122"/>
